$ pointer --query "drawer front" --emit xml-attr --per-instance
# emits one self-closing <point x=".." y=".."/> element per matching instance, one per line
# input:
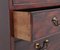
<point x="53" y="43"/>
<point x="35" y="1"/>
<point x="21" y="4"/>
<point x="43" y="23"/>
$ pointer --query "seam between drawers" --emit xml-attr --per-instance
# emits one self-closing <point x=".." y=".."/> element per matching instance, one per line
<point x="46" y="36"/>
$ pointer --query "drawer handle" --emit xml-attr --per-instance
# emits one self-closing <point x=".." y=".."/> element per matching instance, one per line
<point x="37" y="46"/>
<point x="43" y="47"/>
<point x="55" y="21"/>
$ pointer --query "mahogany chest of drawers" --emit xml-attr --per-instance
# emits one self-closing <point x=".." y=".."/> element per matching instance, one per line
<point x="35" y="24"/>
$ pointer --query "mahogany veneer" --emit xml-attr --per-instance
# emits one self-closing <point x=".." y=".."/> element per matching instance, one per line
<point x="54" y="43"/>
<point x="26" y="4"/>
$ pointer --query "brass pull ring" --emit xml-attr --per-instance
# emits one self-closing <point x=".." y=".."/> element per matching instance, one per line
<point x="44" y="46"/>
<point x="55" y="21"/>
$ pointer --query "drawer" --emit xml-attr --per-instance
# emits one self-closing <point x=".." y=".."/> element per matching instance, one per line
<point x="43" y="24"/>
<point x="52" y="44"/>
<point x="35" y="1"/>
<point x="23" y="4"/>
<point x="34" y="25"/>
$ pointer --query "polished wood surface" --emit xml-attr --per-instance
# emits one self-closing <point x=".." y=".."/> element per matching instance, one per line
<point x="35" y="1"/>
<point x="26" y="4"/>
<point x="42" y="23"/>
<point x="54" y="43"/>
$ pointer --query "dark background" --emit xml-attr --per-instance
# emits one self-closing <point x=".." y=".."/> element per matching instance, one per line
<point x="4" y="26"/>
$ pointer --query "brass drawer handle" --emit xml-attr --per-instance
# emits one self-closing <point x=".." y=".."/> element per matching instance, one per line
<point x="43" y="47"/>
<point x="55" y="21"/>
<point x="37" y="45"/>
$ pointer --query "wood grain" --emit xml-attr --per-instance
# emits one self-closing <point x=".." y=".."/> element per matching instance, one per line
<point x="42" y="23"/>
<point x="22" y="25"/>
<point x="26" y="4"/>
<point x="54" y="43"/>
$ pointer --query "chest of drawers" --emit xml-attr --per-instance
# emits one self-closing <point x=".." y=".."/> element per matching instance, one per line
<point x="35" y="24"/>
